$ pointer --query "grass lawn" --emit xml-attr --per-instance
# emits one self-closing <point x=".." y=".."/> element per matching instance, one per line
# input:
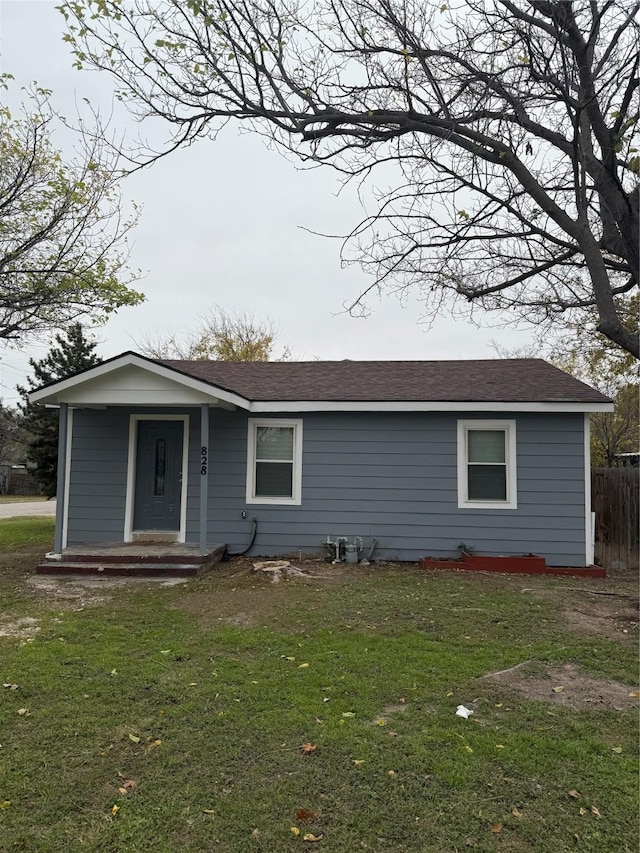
<point x="151" y="718"/>
<point x="26" y="533"/>
<point x="13" y="499"/>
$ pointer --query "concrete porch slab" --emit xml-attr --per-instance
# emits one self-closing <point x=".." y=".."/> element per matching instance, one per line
<point x="132" y="559"/>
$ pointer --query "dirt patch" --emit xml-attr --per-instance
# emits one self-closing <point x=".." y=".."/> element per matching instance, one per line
<point x="23" y="628"/>
<point x="232" y="593"/>
<point x="612" y="616"/>
<point x="568" y="685"/>
<point x="599" y="608"/>
<point x="65" y="593"/>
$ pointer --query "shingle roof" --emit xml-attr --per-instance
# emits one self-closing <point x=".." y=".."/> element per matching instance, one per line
<point x="494" y="380"/>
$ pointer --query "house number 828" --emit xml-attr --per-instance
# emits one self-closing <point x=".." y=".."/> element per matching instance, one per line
<point x="203" y="460"/>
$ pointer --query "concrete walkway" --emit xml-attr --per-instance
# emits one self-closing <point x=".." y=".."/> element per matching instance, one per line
<point x="9" y="510"/>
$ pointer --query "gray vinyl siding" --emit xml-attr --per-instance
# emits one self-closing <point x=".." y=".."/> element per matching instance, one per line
<point x="394" y="477"/>
<point x="390" y="476"/>
<point x="98" y="475"/>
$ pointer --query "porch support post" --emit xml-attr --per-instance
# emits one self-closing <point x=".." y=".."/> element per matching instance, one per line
<point x="61" y="488"/>
<point x="204" y="475"/>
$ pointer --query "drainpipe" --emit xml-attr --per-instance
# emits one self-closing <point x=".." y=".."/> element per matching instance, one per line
<point x="204" y="476"/>
<point x="61" y="486"/>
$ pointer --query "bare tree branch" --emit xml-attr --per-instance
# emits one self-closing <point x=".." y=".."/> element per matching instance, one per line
<point x="510" y="127"/>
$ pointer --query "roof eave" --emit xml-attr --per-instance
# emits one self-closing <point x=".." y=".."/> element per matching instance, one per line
<point x="558" y="406"/>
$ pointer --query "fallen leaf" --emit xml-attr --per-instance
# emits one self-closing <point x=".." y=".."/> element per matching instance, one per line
<point x="165" y="651"/>
<point x="496" y="828"/>
<point x="450" y="693"/>
<point x="594" y="809"/>
<point x="348" y="714"/>
<point x="499" y="746"/>
<point x="327" y="699"/>
<point x="255" y="833"/>
<point x="115" y="810"/>
<point x="23" y="712"/>
<point x="286" y="657"/>
<point x="305" y="814"/>
<point x="294" y="830"/>
<point x="208" y="811"/>
<point x="308" y="748"/>
<point x="515" y="811"/>
<point x="303" y="666"/>
<point x="499" y="705"/>
<point x="558" y="689"/>
<point x="134" y="738"/>
<point x="617" y="749"/>
<point x="392" y="773"/>
<point x="381" y="722"/>
<point x="575" y="794"/>
<point x="582" y="811"/>
<point x="358" y="761"/>
<point x="122" y="790"/>
<point x="193" y="684"/>
<point x="11" y="686"/>
<point x="310" y="837"/>
<point x="113" y="672"/>
<point x="634" y="693"/>
<point x="127" y="786"/>
<point x="467" y="747"/>
<point x="5" y="804"/>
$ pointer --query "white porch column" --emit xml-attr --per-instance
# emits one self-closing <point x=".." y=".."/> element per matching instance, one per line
<point x="62" y="485"/>
<point x="204" y="476"/>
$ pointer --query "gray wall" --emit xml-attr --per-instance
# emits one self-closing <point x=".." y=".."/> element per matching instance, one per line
<point x="392" y="476"/>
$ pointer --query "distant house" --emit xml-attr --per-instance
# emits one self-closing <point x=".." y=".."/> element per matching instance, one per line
<point x="422" y="456"/>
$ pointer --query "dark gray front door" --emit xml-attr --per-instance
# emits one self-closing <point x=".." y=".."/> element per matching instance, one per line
<point x="158" y="475"/>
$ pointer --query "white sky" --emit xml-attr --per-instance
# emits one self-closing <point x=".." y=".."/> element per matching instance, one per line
<point x="221" y="224"/>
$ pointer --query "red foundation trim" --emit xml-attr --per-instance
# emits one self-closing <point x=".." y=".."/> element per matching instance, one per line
<point x="517" y="565"/>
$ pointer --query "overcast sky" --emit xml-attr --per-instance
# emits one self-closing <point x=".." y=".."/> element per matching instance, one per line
<point x="222" y="222"/>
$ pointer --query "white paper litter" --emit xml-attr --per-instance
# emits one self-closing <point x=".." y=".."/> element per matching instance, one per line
<point x="461" y="711"/>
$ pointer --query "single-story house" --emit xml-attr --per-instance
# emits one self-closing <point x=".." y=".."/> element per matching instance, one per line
<point x="425" y="457"/>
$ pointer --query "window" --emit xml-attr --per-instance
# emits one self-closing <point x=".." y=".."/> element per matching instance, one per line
<point x="274" y="461"/>
<point x="487" y="464"/>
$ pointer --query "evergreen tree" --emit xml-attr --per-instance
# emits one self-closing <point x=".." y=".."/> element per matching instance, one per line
<point x="70" y="355"/>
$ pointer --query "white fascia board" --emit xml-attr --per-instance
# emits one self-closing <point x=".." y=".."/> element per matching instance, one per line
<point x="424" y="406"/>
<point x="54" y="394"/>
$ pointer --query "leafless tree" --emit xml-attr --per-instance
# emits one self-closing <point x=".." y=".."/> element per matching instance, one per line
<point x="503" y="130"/>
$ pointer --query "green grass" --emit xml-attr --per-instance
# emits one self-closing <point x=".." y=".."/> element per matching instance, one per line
<point x="25" y="532"/>
<point x="12" y="499"/>
<point x="232" y="678"/>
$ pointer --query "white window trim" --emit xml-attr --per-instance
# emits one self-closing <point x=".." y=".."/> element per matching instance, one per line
<point x="252" y="425"/>
<point x="510" y="457"/>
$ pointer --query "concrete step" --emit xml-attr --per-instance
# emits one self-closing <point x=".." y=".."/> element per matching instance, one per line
<point x="106" y="558"/>
<point x="118" y="569"/>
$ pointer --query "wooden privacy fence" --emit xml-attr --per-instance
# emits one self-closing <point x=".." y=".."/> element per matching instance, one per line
<point x="615" y="500"/>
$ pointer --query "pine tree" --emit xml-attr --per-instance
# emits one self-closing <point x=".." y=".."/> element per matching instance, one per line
<point x="72" y="354"/>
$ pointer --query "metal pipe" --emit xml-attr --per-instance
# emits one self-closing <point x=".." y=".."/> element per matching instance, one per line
<point x="372" y="548"/>
<point x="228" y="553"/>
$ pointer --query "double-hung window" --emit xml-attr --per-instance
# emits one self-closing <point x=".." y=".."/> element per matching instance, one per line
<point x="487" y="464"/>
<point x="274" y="461"/>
